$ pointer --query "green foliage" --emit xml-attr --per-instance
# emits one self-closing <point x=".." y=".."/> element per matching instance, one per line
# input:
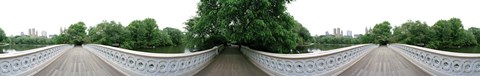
<point x="176" y="35"/>
<point x="443" y="34"/>
<point x="259" y="24"/>
<point x="145" y="34"/>
<point x="414" y="33"/>
<point x="450" y="34"/>
<point x="476" y="33"/>
<point x="381" y="33"/>
<point x="3" y="37"/>
<point x="76" y="33"/>
<point x="30" y="40"/>
<point x="303" y="33"/>
<point x="107" y="33"/>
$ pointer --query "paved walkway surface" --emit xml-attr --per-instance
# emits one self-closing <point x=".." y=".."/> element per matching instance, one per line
<point x="383" y="61"/>
<point x="231" y="62"/>
<point x="78" y="62"/>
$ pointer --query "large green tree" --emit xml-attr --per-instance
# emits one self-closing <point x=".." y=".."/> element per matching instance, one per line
<point x="260" y="24"/>
<point x="176" y="35"/>
<point x="107" y="33"/>
<point x="76" y="33"/>
<point x="476" y="33"/>
<point x="2" y="35"/>
<point x="414" y="33"/>
<point x="146" y="34"/>
<point x="381" y="33"/>
<point x="451" y="34"/>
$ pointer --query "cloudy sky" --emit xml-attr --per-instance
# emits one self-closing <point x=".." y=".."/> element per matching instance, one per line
<point x="317" y="15"/>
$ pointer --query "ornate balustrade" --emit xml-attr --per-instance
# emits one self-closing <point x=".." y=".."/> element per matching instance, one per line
<point x="29" y="62"/>
<point x="325" y="63"/>
<point x="136" y="63"/>
<point x="441" y="63"/>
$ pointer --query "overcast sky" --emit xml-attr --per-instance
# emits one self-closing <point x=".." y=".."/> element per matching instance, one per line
<point x="317" y="15"/>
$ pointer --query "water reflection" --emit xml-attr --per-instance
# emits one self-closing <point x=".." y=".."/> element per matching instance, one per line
<point x="168" y="49"/>
<point x="320" y="47"/>
<point x="18" y="47"/>
<point x="472" y="49"/>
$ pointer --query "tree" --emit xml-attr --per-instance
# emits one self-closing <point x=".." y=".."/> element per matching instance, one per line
<point x="259" y="24"/>
<point x="76" y="33"/>
<point x="145" y="34"/>
<point x="303" y="33"/>
<point x="175" y="34"/>
<point x="450" y="34"/>
<point x="414" y="33"/>
<point x="476" y="33"/>
<point x="381" y="32"/>
<point x="2" y="35"/>
<point x="107" y="33"/>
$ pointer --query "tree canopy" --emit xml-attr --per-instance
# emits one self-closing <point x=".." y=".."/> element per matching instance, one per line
<point x="2" y="35"/>
<point x="259" y="24"/>
<point x="76" y="33"/>
<point x="381" y="32"/>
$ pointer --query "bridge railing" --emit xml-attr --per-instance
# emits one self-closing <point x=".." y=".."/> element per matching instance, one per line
<point x="440" y="63"/>
<point x="137" y="63"/>
<point x="326" y="63"/>
<point x="29" y="62"/>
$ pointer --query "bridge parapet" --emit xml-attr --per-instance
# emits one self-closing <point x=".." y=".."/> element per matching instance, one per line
<point x="325" y="63"/>
<point x="29" y="62"/>
<point x="137" y="63"/>
<point x="440" y="63"/>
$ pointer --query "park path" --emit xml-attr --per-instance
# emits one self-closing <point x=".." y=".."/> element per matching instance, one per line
<point x="78" y="62"/>
<point x="383" y="61"/>
<point x="231" y="62"/>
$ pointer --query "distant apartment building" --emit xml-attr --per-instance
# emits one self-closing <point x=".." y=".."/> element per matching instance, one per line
<point x="32" y="32"/>
<point x="349" y="33"/>
<point x="22" y="34"/>
<point x="44" y="34"/>
<point x="327" y="33"/>
<point x="337" y="32"/>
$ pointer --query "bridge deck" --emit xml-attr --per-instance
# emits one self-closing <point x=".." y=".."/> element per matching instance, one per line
<point x="383" y="61"/>
<point x="78" y="62"/>
<point x="231" y="62"/>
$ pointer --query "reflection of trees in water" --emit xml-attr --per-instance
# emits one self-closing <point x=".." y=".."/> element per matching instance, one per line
<point x="19" y="47"/>
<point x="168" y="49"/>
<point x="320" y="47"/>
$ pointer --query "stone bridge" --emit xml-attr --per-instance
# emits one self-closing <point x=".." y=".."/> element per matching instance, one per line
<point x="358" y="60"/>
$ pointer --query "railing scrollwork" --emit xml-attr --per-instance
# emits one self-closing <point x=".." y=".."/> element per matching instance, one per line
<point x="441" y="62"/>
<point x="154" y="64"/>
<point x="325" y="63"/>
<point x="31" y="61"/>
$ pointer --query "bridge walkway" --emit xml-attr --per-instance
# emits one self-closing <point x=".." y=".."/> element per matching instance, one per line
<point x="78" y="62"/>
<point x="231" y="62"/>
<point x="383" y="61"/>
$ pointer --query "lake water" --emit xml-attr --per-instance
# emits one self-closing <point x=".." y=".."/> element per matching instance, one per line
<point x="18" y="47"/>
<point x="321" y="47"/>
<point x="472" y="49"/>
<point x="167" y="49"/>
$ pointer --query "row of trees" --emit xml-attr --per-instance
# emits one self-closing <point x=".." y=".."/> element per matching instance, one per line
<point x="259" y="24"/>
<point x="138" y="34"/>
<point x="443" y="34"/>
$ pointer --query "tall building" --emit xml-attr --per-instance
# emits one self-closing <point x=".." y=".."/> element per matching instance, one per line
<point x="44" y="34"/>
<point x="334" y="31"/>
<point x="349" y="33"/>
<point x="22" y="34"/>
<point x="326" y="33"/>
<point x="337" y="32"/>
<point x="32" y="32"/>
